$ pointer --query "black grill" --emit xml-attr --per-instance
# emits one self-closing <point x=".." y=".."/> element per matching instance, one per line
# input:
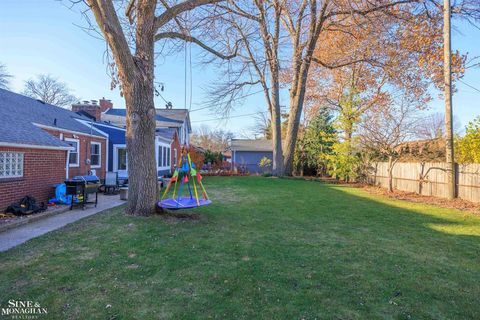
<point x="80" y="187"/>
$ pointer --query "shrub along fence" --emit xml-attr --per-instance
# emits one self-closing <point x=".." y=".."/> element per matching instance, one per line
<point x="428" y="179"/>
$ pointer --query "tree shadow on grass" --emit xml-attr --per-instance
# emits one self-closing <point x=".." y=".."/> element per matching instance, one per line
<point x="294" y="250"/>
<point x="400" y="259"/>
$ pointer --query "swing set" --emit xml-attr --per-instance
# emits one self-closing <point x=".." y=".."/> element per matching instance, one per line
<point x="185" y="174"/>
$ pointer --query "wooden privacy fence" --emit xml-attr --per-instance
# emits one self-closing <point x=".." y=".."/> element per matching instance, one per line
<point x="428" y="179"/>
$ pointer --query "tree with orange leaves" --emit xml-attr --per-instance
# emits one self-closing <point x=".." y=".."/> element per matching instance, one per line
<point x="371" y="62"/>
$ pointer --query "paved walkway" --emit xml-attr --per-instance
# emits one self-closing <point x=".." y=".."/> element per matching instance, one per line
<point x="14" y="237"/>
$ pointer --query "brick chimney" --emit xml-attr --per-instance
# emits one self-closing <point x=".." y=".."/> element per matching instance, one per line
<point x="94" y="108"/>
<point x="105" y="104"/>
<point x="90" y="107"/>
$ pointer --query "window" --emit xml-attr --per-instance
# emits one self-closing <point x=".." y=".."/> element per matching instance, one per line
<point x="168" y="157"/>
<point x="122" y="159"/>
<point x="160" y="156"/>
<point x="74" y="155"/>
<point x="11" y="164"/>
<point x="163" y="156"/>
<point x="95" y="155"/>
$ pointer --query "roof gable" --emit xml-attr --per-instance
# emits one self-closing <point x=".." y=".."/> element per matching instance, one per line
<point x="36" y="111"/>
<point x="168" y="118"/>
<point x="251" y="145"/>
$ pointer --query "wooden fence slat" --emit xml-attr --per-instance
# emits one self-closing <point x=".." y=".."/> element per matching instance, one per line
<point x="406" y="177"/>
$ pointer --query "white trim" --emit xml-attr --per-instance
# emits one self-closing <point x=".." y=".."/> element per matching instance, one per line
<point x="32" y="146"/>
<point x="107" y="125"/>
<point x="107" y="147"/>
<point x="99" y="155"/>
<point x="66" y="130"/>
<point x="115" y="157"/>
<point x="74" y="165"/>
<point x="66" y="164"/>
<point x="159" y="156"/>
<point x="92" y="124"/>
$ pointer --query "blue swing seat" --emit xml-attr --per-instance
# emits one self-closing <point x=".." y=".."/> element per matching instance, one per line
<point x="182" y="203"/>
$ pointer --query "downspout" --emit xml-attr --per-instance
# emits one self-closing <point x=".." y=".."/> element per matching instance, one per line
<point x="89" y="145"/>
<point x="66" y="167"/>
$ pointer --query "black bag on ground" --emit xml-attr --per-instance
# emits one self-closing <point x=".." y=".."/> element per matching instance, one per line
<point x="27" y="205"/>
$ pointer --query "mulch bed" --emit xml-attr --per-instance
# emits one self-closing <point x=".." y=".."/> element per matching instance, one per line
<point x="457" y="203"/>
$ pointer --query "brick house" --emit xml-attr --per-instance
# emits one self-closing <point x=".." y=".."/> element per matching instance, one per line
<point x="42" y="145"/>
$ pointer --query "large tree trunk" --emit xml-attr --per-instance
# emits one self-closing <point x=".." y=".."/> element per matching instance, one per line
<point x="292" y="133"/>
<point x="140" y="136"/>
<point x="297" y="98"/>
<point x="278" y="169"/>
<point x="142" y="167"/>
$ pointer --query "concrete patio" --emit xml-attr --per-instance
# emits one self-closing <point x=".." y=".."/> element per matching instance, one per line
<point x="18" y="235"/>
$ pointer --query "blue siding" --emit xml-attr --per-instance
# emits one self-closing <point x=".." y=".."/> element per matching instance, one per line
<point x="115" y="136"/>
<point x="251" y="159"/>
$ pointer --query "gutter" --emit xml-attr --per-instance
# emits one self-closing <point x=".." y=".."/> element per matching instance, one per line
<point x="33" y="146"/>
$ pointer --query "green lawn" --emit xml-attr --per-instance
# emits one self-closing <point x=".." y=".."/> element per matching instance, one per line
<point x="265" y="249"/>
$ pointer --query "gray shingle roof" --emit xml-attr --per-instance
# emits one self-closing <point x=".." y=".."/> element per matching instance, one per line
<point x="165" y="133"/>
<point x="171" y="118"/>
<point x="251" y="145"/>
<point x="19" y="113"/>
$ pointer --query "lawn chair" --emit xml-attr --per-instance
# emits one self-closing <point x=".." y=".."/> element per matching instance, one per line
<point x="111" y="182"/>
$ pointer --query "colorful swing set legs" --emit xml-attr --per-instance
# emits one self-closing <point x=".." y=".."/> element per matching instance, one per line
<point x="186" y="168"/>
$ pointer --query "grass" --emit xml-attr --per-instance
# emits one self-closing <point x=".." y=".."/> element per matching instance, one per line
<point x="265" y="249"/>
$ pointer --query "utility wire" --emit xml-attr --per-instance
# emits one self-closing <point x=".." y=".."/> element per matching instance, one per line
<point x="227" y="118"/>
<point x="468" y="85"/>
<point x="234" y="99"/>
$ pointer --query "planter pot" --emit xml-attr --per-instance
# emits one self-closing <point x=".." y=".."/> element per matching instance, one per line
<point x="123" y="193"/>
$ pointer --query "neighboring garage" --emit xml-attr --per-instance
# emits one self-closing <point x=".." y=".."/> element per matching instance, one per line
<point x="246" y="154"/>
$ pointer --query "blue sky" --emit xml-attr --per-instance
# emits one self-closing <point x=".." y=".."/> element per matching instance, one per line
<point x="44" y="37"/>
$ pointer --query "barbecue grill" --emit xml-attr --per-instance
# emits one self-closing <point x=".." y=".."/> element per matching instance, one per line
<point x="80" y="187"/>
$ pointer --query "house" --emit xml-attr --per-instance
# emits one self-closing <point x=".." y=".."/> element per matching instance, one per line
<point x="42" y="145"/>
<point x="178" y="119"/>
<point x="173" y="129"/>
<point x="246" y="154"/>
<point x="169" y="150"/>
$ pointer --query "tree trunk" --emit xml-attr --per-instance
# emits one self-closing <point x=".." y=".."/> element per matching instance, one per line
<point x="297" y="98"/>
<point x="391" y="163"/>
<point x="276" y="113"/>
<point x="348" y="131"/>
<point x="278" y="169"/>
<point x="449" y="145"/>
<point x="140" y="136"/>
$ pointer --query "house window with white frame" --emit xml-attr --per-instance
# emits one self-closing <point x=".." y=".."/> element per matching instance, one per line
<point x="168" y="157"/>
<point x="11" y="165"/>
<point x="95" y="155"/>
<point x="163" y="156"/>
<point x="74" y="154"/>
